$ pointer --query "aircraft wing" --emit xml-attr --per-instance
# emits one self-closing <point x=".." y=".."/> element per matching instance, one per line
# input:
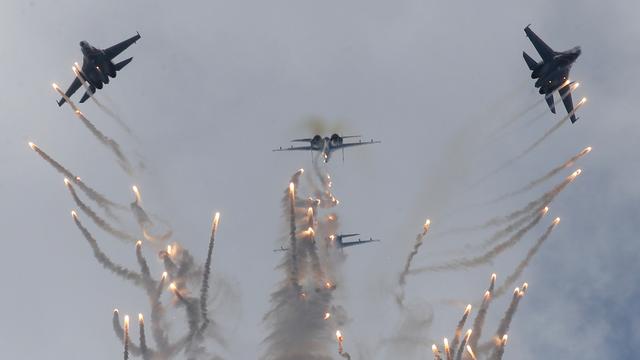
<point x="565" y="94"/>
<point x="543" y="49"/>
<point x="359" y="242"/>
<point x="345" y="145"/>
<point x="118" y="48"/>
<point x="550" y="102"/>
<point x="294" y="148"/>
<point x="75" y="85"/>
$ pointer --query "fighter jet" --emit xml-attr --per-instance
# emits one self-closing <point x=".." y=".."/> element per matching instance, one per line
<point x="97" y="67"/>
<point x="327" y="145"/>
<point x="337" y="241"/>
<point x="340" y="244"/>
<point x="552" y="72"/>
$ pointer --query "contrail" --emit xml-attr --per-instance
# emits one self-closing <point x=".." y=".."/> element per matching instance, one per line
<point x="511" y="279"/>
<point x="407" y="265"/>
<point x="545" y="177"/>
<point x="103" y="259"/>
<point x="100" y="222"/>
<point x="465" y="263"/>
<point x="458" y="333"/>
<point x="94" y="195"/>
<point x="124" y="163"/>
<point x="76" y="70"/>
<point x="535" y="144"/>
<point x="204" y="288"/>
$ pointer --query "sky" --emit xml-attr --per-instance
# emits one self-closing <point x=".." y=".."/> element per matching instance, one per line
<point x="215" y="86"/>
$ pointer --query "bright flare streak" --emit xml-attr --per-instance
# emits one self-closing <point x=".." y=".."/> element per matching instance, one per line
<point x="310" y="232"/>
<point x="556" y="221"/>
<point x="525" y="286"/>
<point x="493" y="278"/>
<point x="584" y="100"/>
<point x="66" y="182"/>
<point x="138" y="243"/>
<point x="137" y="193"/>
<point x="426" y="225"/>
<point x="545" y="210"/>
<point x="504" y="339"/>
<point x="292" y="188"/>
<point x="56" y="87"/>
<point x="473" y="356"/>
<point x="434" y="349"/>
<point x="487" y="296"/>
<point x="169" y="250"/>
<point x="214" y="224"/>
<point x="467" y="310"/>
<point x="173" y="287"/>
<point x="74" y="214"/>
<point x="140" y="318"/>
<point x="115" y="311"/>
<point x="339" y="336"/>
<point x="328" y="285"/>
<point x="516" y="291"/>
<point x="32" y="145"/>
<point x="446" y="345"/>
<point x="164" y="275"/>
<point x="468" y="334"/>
<point x="327" y="316"/>
<point x="126" y="322"/>
<point x="587" y="150"/>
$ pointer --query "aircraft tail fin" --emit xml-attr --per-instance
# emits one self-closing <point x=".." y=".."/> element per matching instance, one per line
<point x="123" y="63"/>
<point x="550" y="102"/>
<point x="532" y="64"/>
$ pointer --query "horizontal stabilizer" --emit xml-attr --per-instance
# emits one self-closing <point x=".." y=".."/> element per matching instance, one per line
<point x="550" y="102"/>
<point x="532" y="64"/>
<point x="123" y="63"/>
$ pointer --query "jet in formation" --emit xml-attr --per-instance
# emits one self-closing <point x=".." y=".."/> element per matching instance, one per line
<point x="327" y="145"/>
<point x="97" y="67"/>
<point x="552" y="72"/>
<point x="338" y="242"/>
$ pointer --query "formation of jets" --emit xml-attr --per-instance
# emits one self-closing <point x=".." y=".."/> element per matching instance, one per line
<point x="97" y="67"/>
<point x="327" y="145"/>
<point x="552" y="74"/>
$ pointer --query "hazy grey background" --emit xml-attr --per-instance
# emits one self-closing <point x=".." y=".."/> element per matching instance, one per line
<point x="214" y="86"/>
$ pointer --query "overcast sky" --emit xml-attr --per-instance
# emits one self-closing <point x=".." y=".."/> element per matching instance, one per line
<point x="215" y="85"/>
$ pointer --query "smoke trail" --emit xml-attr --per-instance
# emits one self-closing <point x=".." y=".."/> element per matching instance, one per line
<point x="120" y="333"/>
<point x="143" y="341"/>
<point x="144" y="220"/>
<point x="513" y="277"/>
<point x="543" y="178"/>
<point x="94" y="195"/>
<point x="100" y="222"/>
<point x="407" y="265"/>
<point x="64" y="96"/>
<point x="293" y="242"/>
<point x="538" y="203"/>
<point x="464" y="342"/>
<point x="157" y="315"/>
<point x="126" y="337"/>
<point x="447" y="350"/>
<point x="478" y="322"/>
<point x="548" y="133"/>
<point x="497" y="355"/>
<point x="465" y="263"/>
<point x="458" y="332"/>
<point x="511" y="228"/>
<point x="76" y="71"/>
<point x="204" y="289"/>
<point x="124" y="163"/>
<point x="505" y="322"/>
<point x="341" y="351"/>
<point x="103" y="259"/>
<point x="149" y="284"/>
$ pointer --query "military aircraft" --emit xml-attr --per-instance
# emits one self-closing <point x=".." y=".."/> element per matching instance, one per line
<point x="97" y="67"/>
<point x="552" y="72"/>
<point x="340" y="244"/>
<point x="327" y="145"/>
<point x="337" y="241"/>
